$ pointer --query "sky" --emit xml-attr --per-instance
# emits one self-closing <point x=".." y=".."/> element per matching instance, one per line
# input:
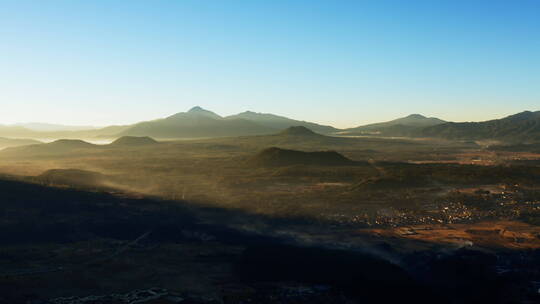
<point x="343" y="63"/>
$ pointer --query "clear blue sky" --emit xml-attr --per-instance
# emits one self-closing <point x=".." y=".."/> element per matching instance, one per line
<point x="343" y="63"/>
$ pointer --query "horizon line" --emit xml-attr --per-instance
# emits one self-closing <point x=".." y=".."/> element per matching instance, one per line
<point x="89" y="127"/>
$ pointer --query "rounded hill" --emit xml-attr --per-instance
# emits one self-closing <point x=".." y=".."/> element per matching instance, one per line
<point x="298" y="131"/>
<point x="61" y="146"/>
<point x="134" y="141"/>
<point x="277" y="157"/>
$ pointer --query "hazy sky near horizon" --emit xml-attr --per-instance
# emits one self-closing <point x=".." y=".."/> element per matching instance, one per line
<point x="343" y="63"/>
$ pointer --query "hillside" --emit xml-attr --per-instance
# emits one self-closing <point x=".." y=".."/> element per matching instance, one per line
<point x="59" y="147"/>
<point x="276" y="157"/>
<point x="300" y="131"/>
<point x="280" y="122"/>
<point x="72" y="177"/>
<point x="521" y="127"/>
<point x="134" y="141"/>
<point x="196" y="123"/>
<point x="63" y="147"/>
<point x="397" y="127"/>
<point x="12" y="142"/>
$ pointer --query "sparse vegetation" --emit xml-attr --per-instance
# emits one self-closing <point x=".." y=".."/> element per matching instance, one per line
<point x="256" y="190"/>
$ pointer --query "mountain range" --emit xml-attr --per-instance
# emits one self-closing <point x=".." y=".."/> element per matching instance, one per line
<point x="199" y="122"/>
<point x="196" y="123"/>
<point x="404" y="126"/>
<point x="521" y="127"/>
<point x="202" y="123"/>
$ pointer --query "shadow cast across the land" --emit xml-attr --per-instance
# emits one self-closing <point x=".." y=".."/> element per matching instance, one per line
<point x="35" y="214"/>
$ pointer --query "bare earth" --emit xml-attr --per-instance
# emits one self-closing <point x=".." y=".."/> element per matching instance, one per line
<point x="492" y="234"/>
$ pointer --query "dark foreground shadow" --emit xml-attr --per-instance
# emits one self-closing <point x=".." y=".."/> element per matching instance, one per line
<point x="33" y="216"/>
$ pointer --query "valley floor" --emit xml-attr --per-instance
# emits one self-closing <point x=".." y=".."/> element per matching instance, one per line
<point x="209" y="221"/>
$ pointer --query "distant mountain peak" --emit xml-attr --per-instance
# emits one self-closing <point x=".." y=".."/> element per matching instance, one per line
<point x="398" y="127"/>
<point x="524" y="115"/>
<point x="198" y="111"/>
<point x="416" y="116"/>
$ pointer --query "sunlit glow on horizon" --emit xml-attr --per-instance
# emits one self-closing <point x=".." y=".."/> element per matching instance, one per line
<point x="341" y="63"/>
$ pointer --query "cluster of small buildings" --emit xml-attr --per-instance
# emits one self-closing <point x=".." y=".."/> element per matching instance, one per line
<point x="508" y="205"/>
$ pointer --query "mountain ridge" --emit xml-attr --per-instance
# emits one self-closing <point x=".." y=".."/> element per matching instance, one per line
<point x="523" y="126"/>
<point x="409" y="123"/>
<point x="198" y="122"/>
<point x="281" y="122"/>
<point x="195" y="123"/>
